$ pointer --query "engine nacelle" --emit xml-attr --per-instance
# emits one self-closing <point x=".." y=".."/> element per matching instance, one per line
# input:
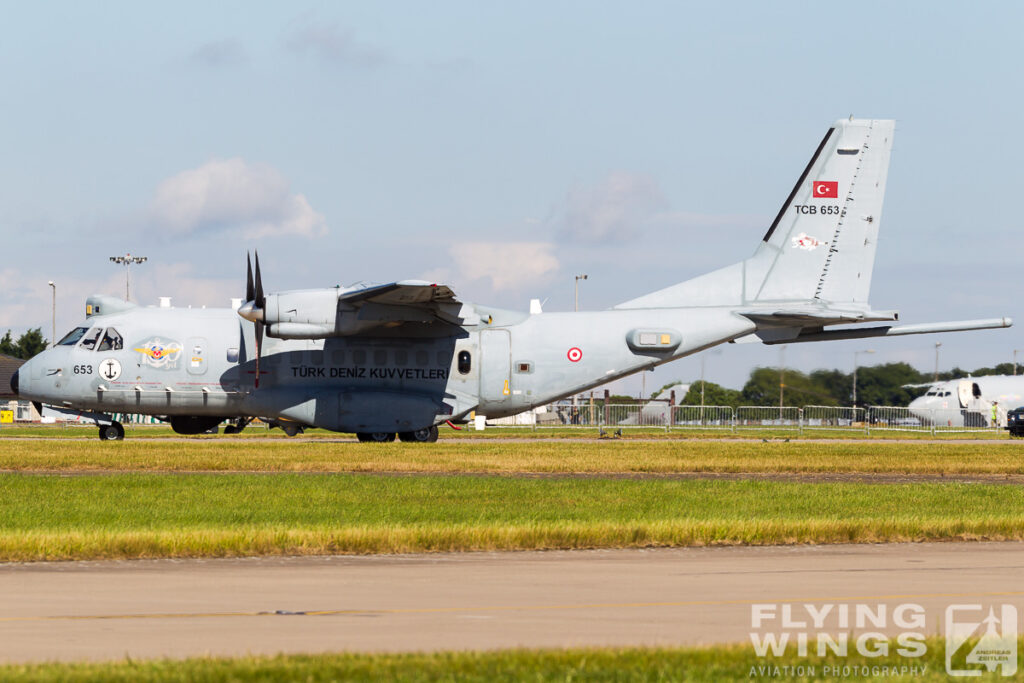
<point x="302" y="314"/>
<point x="317" y="314"/>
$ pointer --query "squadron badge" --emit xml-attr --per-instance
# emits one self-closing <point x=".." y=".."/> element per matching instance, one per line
<point x="159" y="354"/>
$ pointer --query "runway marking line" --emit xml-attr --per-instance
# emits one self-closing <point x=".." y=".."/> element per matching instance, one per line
<point x="506" y="608"/>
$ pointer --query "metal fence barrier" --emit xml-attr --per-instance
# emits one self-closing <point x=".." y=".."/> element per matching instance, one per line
<point x="767" y="417"/>
<point x="833" y="417"/>
<point x="702" y="417"/>
<point x="895" y="418"/>
<point x="663" y="415"/>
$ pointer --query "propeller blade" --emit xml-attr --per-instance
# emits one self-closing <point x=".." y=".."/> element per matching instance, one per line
<point x="253" y="308"/>
<point x="260" y="299"/>
<point x="259" y="348"/>
<point x="250" y="289"/>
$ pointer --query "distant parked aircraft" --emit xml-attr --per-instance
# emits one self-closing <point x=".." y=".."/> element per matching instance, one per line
<point x="969" y="401"/>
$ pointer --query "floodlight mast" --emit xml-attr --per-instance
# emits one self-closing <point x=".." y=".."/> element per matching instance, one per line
<point x="127" y="260"/>
<point x="53" y="314"/>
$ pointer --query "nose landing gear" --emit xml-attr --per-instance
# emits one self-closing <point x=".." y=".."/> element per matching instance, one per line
<point x="112" y="432"/>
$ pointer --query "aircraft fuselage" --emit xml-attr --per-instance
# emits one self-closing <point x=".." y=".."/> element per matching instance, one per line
<point x="201" y="362"/>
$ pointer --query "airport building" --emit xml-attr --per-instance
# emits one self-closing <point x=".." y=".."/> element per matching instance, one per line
<point x="11" y="409"/>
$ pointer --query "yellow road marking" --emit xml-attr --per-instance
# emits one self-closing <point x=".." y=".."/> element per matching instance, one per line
<point x="513" y="608"/>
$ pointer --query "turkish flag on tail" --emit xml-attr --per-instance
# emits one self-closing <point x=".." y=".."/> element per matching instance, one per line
<point x="826" y="189"/>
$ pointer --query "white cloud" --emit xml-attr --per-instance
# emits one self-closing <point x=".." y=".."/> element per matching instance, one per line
<point x="508" y="265"/>
<point x="615" y="208"/>
<point x="218" y="53"/>
<point x="332" y="44"/>
<point x="230" y="194"/>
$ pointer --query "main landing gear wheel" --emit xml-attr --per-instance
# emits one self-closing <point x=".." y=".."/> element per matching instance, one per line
<point x="376" y="437"/>
<point x="427" y="435"/>
<point x="112" y="432"/>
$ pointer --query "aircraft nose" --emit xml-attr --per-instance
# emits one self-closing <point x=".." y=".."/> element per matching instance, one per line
<point x="14" y="382"/>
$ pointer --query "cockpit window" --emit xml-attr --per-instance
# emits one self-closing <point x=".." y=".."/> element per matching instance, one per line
<point x="72" y="337"/>
<point x="111" y="341"/>
<point x="91" y="337"/>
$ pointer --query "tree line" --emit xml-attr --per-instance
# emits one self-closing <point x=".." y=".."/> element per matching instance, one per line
<point x="28" y="344"/>
<point x="877" y="385"/>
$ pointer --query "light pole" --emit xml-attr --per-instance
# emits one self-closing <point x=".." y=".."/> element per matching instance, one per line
<point x="935" y="378"/>
<point x="576" y="291"/>
<point x="855" y="353"/>
<point x="53" y="314"/>
<point x="127" y="260"/>
<point x="782" y="376"/>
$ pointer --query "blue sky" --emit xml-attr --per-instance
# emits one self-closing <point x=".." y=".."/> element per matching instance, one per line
<point x="501" y="148"/>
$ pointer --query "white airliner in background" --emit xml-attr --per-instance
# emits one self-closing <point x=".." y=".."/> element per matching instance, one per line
<point x="969" y="400"/>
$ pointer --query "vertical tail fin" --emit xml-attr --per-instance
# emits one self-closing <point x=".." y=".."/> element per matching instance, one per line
<point x="821" y="245"/>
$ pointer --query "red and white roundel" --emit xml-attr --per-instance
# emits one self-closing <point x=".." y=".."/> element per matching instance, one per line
<point x="575" y="354"/>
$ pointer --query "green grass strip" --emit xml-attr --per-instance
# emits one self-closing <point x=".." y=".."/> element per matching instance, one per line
<point x="201" y="515"/>
<point x="720" y="663"/>
<point x="660" y="457"/>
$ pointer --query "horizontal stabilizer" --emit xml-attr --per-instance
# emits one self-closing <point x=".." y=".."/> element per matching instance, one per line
<point x="894" y="330"/>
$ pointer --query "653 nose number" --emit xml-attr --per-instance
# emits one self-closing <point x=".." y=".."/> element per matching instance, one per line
<point x="83" y="369"/>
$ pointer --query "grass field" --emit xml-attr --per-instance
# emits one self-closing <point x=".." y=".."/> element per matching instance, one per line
<point x="721" y="663"/>
<point x="625" y="456"/>
<point x="260" y="432"/>
<point x="46" y="517"/>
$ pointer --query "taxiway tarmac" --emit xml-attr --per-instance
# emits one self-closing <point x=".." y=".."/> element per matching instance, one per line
<point x="178" y="608"/>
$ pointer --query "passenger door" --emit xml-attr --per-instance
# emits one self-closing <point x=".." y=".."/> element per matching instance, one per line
<point x="495" y="365"/>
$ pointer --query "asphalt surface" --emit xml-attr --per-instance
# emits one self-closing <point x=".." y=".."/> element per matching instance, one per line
<point x="178" y="608"/>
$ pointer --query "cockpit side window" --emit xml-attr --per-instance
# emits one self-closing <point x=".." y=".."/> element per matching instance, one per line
<point x="72" y="337"/>
<point x="111" y="341"/>
<point x="91" y="337"/>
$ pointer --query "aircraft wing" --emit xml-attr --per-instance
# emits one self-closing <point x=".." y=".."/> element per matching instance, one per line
<point x="403" y="293"/>
<point x="395" y="304"/>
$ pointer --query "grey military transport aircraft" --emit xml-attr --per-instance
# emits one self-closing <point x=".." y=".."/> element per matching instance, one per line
<point x="403" y="358"/>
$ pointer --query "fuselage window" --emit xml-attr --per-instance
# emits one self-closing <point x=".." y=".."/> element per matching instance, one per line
<point x="232" y="355"/>
<point x="421" y="358"/>
<point x="401" y="357"/>
<point x="72" y="337"/>
<point x="359" y="357"/>
<point x="444" y="359"/>
<point x="91" y="337"/>
<point x="111" y="341"/>
<point x="296" y="357"/>
<point x="465" y="362"/>
<point x="380" y="357"/>
<point x="316" y="357"/>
